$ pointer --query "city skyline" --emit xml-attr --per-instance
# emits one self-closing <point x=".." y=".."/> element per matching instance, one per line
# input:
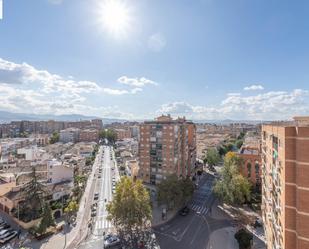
<point x="155" y="57"/>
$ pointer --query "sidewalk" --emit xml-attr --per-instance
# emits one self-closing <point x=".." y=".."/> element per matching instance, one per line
<point x="223" y="239"/>
<point x="246" y="217"/>
<point x="157" y="215"/>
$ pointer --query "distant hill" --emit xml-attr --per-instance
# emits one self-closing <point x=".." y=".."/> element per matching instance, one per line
<point x="6" y="117"/>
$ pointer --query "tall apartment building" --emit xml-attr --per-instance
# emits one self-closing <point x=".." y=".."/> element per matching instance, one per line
<point x="285" y="184"/>
<point x="166" y="146"/>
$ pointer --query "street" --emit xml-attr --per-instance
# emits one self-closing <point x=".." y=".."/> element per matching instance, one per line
<point x="193" y="230"/>
<point x="105" y="173"/>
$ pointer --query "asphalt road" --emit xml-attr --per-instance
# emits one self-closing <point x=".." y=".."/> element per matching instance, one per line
<point x="193" y="230"/>
<point x="104" y="184"/>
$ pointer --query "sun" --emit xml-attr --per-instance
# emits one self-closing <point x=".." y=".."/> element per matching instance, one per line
<point x="115" y="17"/>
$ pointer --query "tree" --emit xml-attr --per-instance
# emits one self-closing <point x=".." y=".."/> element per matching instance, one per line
<point x="212" y="157"/>
<point x="239" y="143"/>
<point x="108" y="134"/>
<point x="130" y="210"/>
<point x="71" y="209"/>
<point x="174" y="191"/>
<point x="47" y="219"/>
<point x="244" y="239"/>
<point x="54" y="137"/>
<point x="232" y="187"/>
<point x="34" y="193"/>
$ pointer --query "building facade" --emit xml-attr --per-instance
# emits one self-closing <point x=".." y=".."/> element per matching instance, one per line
<point x="166" y="146"/>
<point x="285" y="184"/>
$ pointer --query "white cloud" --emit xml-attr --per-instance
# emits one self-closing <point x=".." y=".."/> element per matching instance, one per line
<point x="24" y="88"/>
<point x="136" y="82"/>
<point x="156" y="42"/>
<point x="268" y="106"/>
<point x="254" y="88"/>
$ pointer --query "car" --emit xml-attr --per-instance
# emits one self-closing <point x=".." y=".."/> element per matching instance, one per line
<point x="111" y="242"/>
<point x="5" y="234"/>
<point x="4" y="226"/>
<point x="114" y="183"/>
<point x="96" y="196"/>
<point x="184" y="211"/>
<point x="94" y="208"/>
<point x="107" y="236"/>
<point x="99" y="176"/>
<point x="6" y="230"/>
<point x="94" y="213"/>
<point x="8" y="237"/>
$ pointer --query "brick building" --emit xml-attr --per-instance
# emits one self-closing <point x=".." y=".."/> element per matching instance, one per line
<point x="89" y="135"/>
<point x="166" y="147"/>
<point x="285" y="184"/>
<point x="251" y="167"/>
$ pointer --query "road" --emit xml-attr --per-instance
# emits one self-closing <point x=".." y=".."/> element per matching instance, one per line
<point x="193" y="230"/>
<point x="106" y="171"/>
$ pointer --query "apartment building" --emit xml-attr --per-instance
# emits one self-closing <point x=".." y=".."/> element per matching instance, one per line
<point x="285" y="184"/>
<point x="123" y="133"/>
<point x="69" y="135"/>
<point x="15" y="128"/>
<point x="166" y="147"/>
<point x="89" y="135"/>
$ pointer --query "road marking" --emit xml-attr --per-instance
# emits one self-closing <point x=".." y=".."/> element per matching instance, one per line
<point x="195" y="234"/>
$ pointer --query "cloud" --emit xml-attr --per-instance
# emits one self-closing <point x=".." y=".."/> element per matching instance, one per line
<point x="28" y="76"/>
<point x="156" y="42"/>
<point x="121" y="92"/>
<point x="136" y="82"/>
<point x="276" y="105"/>
<point x="24" y="88"/>
<point x="254" y="88"/>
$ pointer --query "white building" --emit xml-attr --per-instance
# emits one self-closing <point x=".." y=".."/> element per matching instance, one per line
<point x="59" y="172"/>
<point x="69" y="135"/>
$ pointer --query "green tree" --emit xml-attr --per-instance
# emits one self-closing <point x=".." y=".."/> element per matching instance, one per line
<point x="244" y="239"/>
<point x="47" y="219"/>
<point x="71" y="209"/>
<point x="54" y="137"/>
<point x="34" y="196"/>
<point x="232" y="187"/>
<point x="174" y="191"/>
<point x="130" y="210"/>
<point x="212" y="157"/>
<point x="108" y="134"/>
<point x="239" y="143"/>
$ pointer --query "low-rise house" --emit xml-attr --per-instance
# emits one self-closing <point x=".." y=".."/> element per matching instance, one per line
<point x="58" y="171"/>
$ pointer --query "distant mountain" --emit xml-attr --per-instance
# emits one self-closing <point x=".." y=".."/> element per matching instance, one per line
<point x="6" y="117"/>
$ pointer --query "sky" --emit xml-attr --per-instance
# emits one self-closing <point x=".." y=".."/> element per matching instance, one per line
<point x="137" y="59"/>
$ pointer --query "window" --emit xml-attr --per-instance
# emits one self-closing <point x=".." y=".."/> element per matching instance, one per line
<point x="249" y="169"/>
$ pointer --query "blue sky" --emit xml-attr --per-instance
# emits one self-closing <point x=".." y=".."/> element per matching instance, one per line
<point x="205" y="59"/>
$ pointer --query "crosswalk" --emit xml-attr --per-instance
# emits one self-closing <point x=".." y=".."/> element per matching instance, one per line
<point x="103" y="224"/>
<point x="201" y="209"/>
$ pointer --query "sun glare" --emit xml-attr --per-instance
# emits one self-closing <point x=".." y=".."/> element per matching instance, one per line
<point x="115" y="17"/>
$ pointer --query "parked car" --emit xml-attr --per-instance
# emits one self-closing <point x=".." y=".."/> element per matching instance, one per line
<point x="8" y="237"/>
<point x="96" y="196"/>
<point x="6" y="230"/>
<point x="184" y="211"/>
<point x="112" y="241"/>
<point x="4" y="226"/>
<point x="94" y="213"/>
